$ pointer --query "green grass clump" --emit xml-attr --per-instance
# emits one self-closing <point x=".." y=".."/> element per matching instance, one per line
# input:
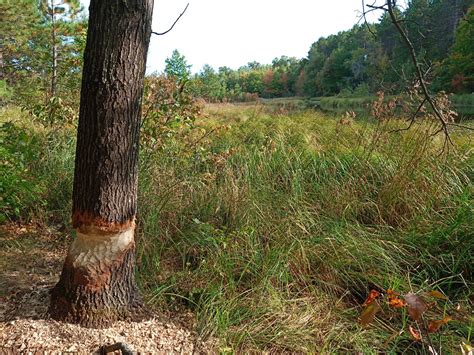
<point x="272" y="226"/>
<point x="274" y="229"/>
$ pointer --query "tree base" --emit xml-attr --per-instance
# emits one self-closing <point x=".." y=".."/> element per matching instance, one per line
<point x="97" y="285"/>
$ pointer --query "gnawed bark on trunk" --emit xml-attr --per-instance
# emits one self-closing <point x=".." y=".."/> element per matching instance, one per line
<point x="97" y="284"/>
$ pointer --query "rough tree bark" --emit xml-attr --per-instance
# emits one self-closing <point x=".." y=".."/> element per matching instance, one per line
<point x="97" y="285"/>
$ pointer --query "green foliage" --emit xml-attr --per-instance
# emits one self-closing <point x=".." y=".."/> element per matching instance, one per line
<point x="18" y="148"/>
<point x="169" y="112"/>
<point x="461" y="61"/>
<point x="209" y="85"/>
<point x="27" y="47"/>
<point x="54" y="112"/>
<point x="5" y="92"/>
<point x="37" y="168"/>
<point x="282" y="78"/>
<point x="177" y="67"/>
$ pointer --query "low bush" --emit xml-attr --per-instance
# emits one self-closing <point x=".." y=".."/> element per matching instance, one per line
<point x="37" y="168"/>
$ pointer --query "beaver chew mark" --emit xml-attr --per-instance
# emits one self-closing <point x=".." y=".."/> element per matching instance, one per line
<point x="97" y="285"/>
<point x="86" y="223"/>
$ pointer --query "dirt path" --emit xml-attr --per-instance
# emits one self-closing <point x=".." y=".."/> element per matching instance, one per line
<point x="30" y="263"/>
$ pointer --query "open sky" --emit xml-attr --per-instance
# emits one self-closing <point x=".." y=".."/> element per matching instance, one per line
<point x="234" y="32"/>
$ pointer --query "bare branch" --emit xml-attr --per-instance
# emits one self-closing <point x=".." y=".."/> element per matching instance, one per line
<point x="174" y="23"/>
<point x="364" y="16"/>
<point x="419" y="73"/>
<point x="412" y="120"/>
<point x="374" y="7"/>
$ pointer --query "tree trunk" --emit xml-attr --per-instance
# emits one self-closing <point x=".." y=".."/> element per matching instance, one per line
<point x="97" y="285"/>
<point x="54" y="52"/>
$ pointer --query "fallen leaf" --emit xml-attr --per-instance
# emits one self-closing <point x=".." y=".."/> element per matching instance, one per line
<point x="416" y="306"/>
<point x="437" y="294"/>
<point x="394" y="300"/>
<point x="368" y="314"/>
<point x="396" y="303"/>
<point x="434" y="325"/>
<point x="374" y="294"/>
<point x="415" y="334"/>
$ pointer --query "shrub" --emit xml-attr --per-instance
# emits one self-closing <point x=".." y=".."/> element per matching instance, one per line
<point x="168" y="111"/>
<point x="18" y="148"/>
<point x="54" y="113"/>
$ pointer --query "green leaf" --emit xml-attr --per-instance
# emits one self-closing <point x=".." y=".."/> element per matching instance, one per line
<point x="368" y="314"/>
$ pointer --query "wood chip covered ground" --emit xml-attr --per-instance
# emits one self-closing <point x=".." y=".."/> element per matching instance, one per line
<point x="30" y="260"/>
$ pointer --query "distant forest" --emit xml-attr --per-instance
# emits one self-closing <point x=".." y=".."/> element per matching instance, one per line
<point x="41" y="57"/>
<point x="364" y="59"/>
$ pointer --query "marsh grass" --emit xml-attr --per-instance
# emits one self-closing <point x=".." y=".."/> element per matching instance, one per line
<point x="274" y="229"/>
<point x="273" y="225"/>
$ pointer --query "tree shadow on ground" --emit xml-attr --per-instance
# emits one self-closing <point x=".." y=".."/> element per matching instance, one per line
<point x="31" y="257"/>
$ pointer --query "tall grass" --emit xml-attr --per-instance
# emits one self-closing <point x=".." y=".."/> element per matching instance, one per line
<point x="274" y="230"/>
<point x="273" y="226"/>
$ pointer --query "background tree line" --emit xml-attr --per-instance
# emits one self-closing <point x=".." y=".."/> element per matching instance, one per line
<point x="362" y="60"/>
<point x="42" y="43"/>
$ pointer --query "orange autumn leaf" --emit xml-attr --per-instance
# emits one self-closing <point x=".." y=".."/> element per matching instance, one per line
<point x="374" y="294"/>
<point x="394" y="301"/>
<point x="392" y="293"/>
<point x="368" y="314"/>
<point x="414" y="333"/>
<point x="434" y="325"/>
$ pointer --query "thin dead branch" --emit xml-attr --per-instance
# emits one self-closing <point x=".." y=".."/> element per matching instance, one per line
<point x="419" y="74"/>
<point x="364" y="16"/>
<point x="460" y="126"/>
<point x="388" y="6"/>
<point x="412" y="119"/>
<point x="174" y="23"/>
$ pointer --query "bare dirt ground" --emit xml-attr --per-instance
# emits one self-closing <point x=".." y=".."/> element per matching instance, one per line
<point x="30" y="263"/>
